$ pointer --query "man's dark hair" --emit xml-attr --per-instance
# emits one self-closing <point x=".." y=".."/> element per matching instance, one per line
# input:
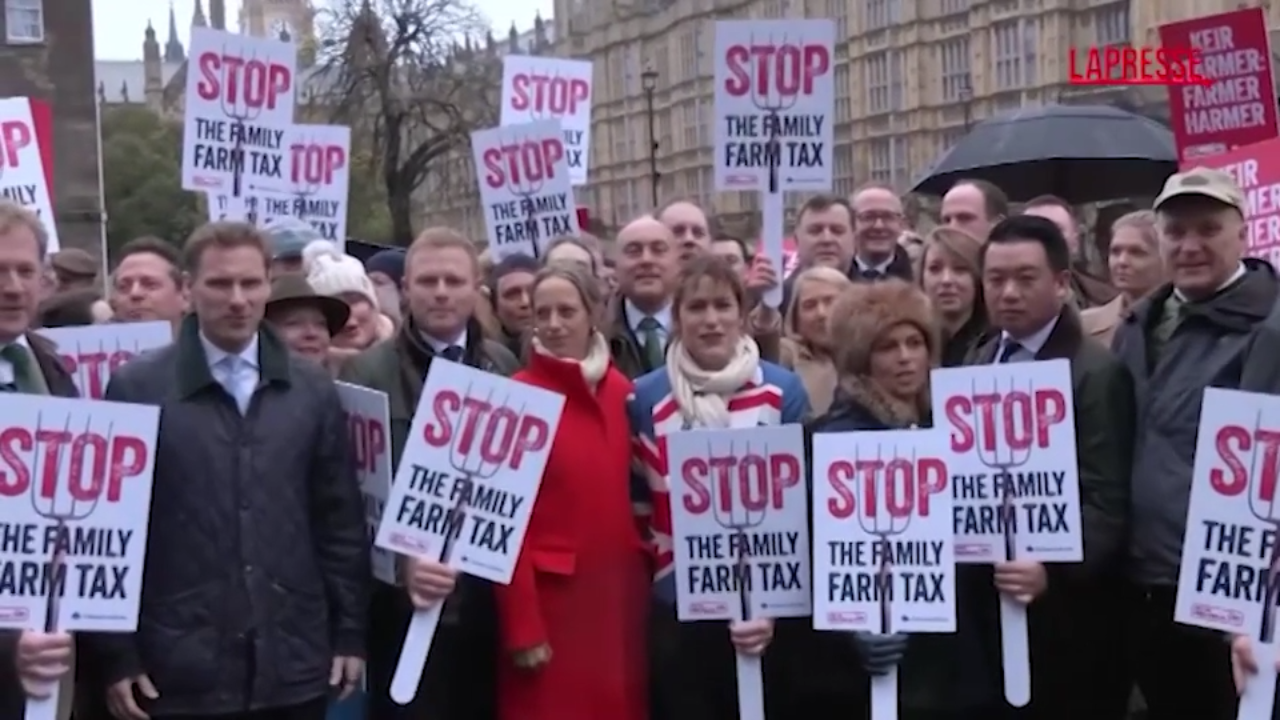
<point x="1031" y="228"/>
<point x="994" y="200"/>
<point x="821" y="203"/>
<point x="742" y="244"/>
<point x="70" y="308"/>
<point x="152" y="245"/>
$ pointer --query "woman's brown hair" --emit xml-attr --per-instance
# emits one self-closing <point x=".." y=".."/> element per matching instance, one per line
<point x="582" y="281"/>
<point x="708" y="267"/>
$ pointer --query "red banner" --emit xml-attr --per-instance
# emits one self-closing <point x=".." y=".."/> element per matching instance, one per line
<point x="1237" y="106"/>
<point x="1256" y="169"/>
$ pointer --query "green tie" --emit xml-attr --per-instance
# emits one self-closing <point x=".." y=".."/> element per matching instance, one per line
<point x="1170" y="317"/>
<point x="654" y="354"/>
<point x="25" y="375"/>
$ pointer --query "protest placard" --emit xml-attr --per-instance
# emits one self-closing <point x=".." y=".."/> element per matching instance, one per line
<point x="547" y="88"/>
<point x="75" y="484"/>
<point x="740" y="522"/>
<point x="1012" y="456"/>
<point x="240" y="99"/>
<point x="884" y="552"/>
<point x="465" y="486"/>
<point x="315" y="189"/>
<point x="91" y="353"/>
<point x="740" y="534"/>
<point x="25" y="164"/>
<point x="1256" y="169"/>
<point x="524" y="187"/>
<point x="1229" y="577"/>
<point x="1237" y="106"/>
<point x="774" y="100"/>
<point x="368" y="419"/>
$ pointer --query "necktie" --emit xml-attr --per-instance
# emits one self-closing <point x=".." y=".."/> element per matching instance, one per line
<point x="453" y="353"/>
<point x="872" y="275"/>
<point x="654" y="353"/>
<point x="234" y="382"/>
<point x="1011" y="347"/>
<point x="24" y="378"/>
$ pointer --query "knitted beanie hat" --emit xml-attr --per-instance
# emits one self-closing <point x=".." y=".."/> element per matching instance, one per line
<point x="288" y="235"/>
<point x="331" y="272"/>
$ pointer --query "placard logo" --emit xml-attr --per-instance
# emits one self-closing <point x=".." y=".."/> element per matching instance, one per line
<point x="1135" y="66"/>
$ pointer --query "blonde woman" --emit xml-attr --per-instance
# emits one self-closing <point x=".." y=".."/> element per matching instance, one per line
<point x="806" y="342"/>
<point x="1136" y="269"/>
<point x="572" y="623"/>
<point x="950" y="277"/>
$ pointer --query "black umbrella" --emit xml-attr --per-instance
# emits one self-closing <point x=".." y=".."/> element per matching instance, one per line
<point x="1081" y="153"/>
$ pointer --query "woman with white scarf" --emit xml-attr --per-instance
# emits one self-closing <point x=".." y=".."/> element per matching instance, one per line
<point x="714" y="379"/>
<point x="573" y="621"/>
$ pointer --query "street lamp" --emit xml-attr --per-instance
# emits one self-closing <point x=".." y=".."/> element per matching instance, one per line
<point x="966" y="97"/>
<point x="649" y="81"/>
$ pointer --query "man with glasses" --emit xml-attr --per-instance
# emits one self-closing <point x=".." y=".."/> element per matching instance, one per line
<point x="877" y="222"/>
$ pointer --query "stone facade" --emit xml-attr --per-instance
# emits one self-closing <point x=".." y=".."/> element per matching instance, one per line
<point x="56" y="65"/>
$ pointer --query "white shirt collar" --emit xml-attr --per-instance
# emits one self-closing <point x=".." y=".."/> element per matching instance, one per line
<point x="7" y="375"/>
<point x="882" y="268"/>
<point x="1036" y="340"/>
<point x="1239" y="273"/>
<point x="438" y="346"/>
<point x="216" y="355"/>
<point x="634" y="316"/>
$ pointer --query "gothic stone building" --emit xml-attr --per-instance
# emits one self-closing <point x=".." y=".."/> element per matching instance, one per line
<point x="47" y="54"/>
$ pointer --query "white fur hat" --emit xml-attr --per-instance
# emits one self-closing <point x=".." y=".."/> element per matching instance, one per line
<point x="332" y="272"/>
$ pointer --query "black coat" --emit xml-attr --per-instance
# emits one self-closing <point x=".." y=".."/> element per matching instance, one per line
<point x="257" y="556"/>
<point x="12" y="699"/>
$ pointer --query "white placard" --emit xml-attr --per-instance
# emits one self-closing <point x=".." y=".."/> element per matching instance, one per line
<point x="525" y="192"/>
<point x="1011" y="451"/>
<point x="544" y="88"/>
<point x="92" y="352"/>
<point x="368" y="428"/>
<point x="23" y="176"/>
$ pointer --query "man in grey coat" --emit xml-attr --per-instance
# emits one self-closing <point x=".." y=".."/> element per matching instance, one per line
<point x="255" y="589"/>
<point x="1210" y="327"/>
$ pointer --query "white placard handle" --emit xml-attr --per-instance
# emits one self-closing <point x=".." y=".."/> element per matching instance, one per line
<point x="1015" y="651"/>
<point x="884" y="695"/>
<point x="1259" y="696"/>
<point x="44" y="708"/>
<point x="413" y="653"/>
<point x="750" y="687"/>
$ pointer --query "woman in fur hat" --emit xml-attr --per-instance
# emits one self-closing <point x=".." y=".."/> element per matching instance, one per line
<point x="887" y="339"/>
<point x="713" y="378"/>
<point x="950" y="277"/>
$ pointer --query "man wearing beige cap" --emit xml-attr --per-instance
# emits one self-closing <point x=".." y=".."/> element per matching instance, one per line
<point x="1202" y="329"/>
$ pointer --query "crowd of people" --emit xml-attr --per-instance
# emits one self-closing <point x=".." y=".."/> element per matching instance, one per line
<point x="258" y="602"/>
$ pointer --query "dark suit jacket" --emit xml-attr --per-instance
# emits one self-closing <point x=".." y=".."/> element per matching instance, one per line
<point x="12" y="699"/>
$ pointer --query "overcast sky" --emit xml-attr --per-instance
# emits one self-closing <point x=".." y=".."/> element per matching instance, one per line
<point x="119" y="24"/>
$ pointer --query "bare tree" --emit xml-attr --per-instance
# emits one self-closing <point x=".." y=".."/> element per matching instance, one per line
<point x="405" y="73"/>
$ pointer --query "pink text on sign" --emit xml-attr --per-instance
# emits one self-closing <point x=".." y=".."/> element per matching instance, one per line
<point x="368" y="442"/>
<point x="1241" y="450"/>
<point x="315" y="164"/>
<point x="767" y="69"/>
<point x="251" y="83"/>
<point x="94" y="369"/>
<point x="16" y="135"/>
<point x="514" y="164"/>
<point x="750" y="481"/>
<point x="1016" y="420"/>
<point x="548" y="94"/>
<point x="87" y="462"/>
<point x="477" y="427"/>
<point x="901" y="486"/>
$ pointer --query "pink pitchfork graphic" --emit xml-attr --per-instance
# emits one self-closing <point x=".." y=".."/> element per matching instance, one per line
<point x="469" y="467"/>
<point x="240" y="114"/>
<point x="878" y="522"/>
<point x="994" y="451"/>
<point x="61" y="510"/>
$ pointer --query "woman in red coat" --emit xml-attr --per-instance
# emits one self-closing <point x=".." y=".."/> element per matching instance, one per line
<point x="574" y="618"/>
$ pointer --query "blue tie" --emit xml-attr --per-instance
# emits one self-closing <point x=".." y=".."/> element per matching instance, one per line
<point x="1011" y="347"/>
